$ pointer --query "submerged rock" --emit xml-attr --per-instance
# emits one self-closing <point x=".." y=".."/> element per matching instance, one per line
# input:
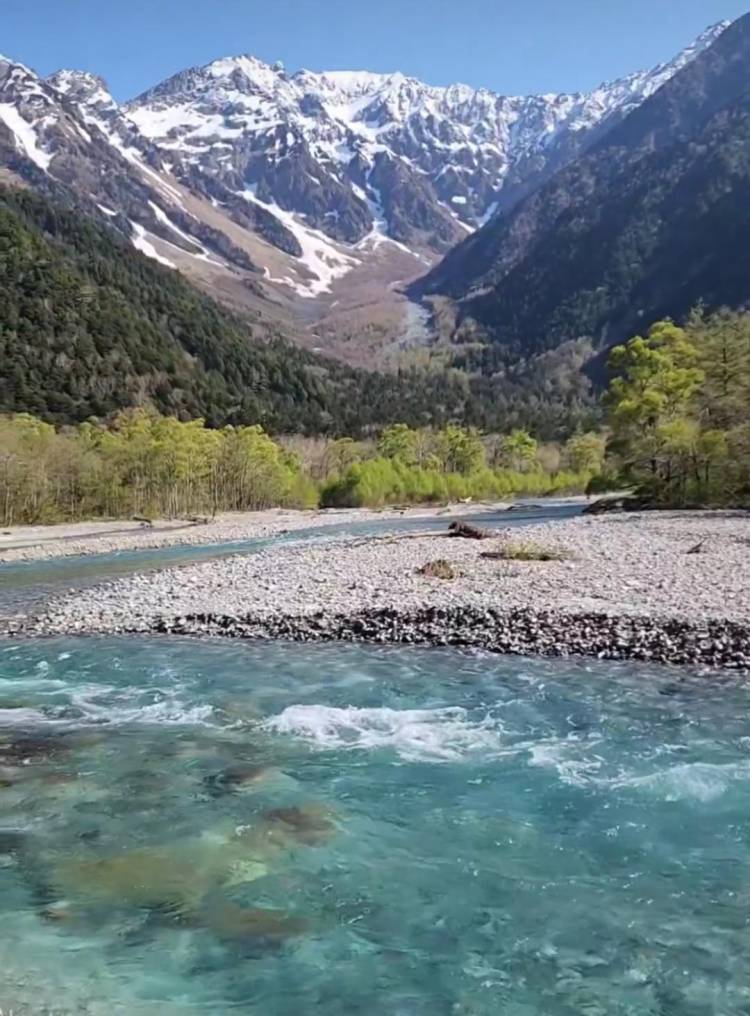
<point x="229" y="920"/>
<point x="12" y="841"/>
<point x="309" y="824"/>
<point x="9" y="777"/>
<point x="60" y="910"/>
<point x="140" y="878"/>
<point x="237" y="778"/>
<point x="29" y="749"/>
<point x="38" y="747"/>
<point x="181" y="875"/>
<point x="244" y="870"/>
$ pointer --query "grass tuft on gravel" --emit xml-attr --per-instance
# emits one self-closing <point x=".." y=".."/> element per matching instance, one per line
<point x="440" y="569"/>
<point x="525" y="551"/>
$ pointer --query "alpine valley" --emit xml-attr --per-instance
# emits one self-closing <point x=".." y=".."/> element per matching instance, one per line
<point x="391" y="224"/>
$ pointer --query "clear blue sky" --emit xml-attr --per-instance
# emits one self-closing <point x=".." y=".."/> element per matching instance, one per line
<point x="512" y="46"/>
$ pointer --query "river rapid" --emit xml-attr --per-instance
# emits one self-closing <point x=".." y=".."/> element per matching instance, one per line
<point x="271" y="828"/>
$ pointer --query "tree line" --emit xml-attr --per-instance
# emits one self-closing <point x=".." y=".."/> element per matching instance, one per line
<point x="678" y="430"/>
<point x="145" y="464"/>
<point x="457" y="463"/>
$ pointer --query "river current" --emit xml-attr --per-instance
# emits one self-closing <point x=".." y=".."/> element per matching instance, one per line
<point x="218" y="827"/>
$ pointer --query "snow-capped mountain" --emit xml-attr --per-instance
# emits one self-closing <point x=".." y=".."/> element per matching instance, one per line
<point x="267" y="186"/>
<point x="68" y="137"/>
<point x="352" y="150"/>
<point x="648" y="223"/>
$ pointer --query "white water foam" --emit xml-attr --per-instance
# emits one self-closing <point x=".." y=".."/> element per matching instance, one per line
<point x="101" y="705"/>
<point x="556" y="753"/>
<point x="697" y="781"/>
<point x="104" y="705"/>
<point x="417" y="735"/>
<point x="21" y="717"/>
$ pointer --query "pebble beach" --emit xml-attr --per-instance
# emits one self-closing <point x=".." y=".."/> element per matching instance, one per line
<point x="45" y="542"/>
<point x="664" y="587"/>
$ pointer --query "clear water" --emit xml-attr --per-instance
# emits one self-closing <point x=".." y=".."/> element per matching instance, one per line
<point x="27" y="584"/>
<point x="278" y="829"/>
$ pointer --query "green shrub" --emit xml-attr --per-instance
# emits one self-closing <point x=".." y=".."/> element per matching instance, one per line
<point x="525" y="551"/>
<point x="605" y="482"/>
<point x="380" y="482"/>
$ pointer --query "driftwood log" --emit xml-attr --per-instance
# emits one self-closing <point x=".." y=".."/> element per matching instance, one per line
<point x="467" y="531"/>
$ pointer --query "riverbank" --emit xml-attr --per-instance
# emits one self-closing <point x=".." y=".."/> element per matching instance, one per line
<point x="37" y="543"/>
<point x="672" y="587"/>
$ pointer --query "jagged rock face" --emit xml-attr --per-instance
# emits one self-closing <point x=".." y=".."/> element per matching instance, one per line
<point x="349" y="150"/>
<point x="35" y="128"/>
<point x="88" y="95"/>
<point x="649" y="222"/>
<point x="292" y="178"/>
<point x="408" y="204"/>
<point x="330" y="169"/>
<point x="67" y="131"/>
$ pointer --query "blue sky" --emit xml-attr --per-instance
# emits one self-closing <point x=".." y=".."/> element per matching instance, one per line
<point x="512" y="46"/>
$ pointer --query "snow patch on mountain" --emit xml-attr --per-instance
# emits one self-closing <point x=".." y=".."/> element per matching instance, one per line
<point x="346" y="162"/>
<point x="25" y="135"/>
<point x="141" y="242"/>
<point x="242" y="120"/>
<point x="320" y="257"/>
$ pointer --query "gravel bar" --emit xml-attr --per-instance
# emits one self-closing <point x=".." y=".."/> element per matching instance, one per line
<point x="666" y="587"/>
<point x="41" y="543"/>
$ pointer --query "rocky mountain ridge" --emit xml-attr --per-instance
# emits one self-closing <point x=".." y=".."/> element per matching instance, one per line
<point x="650" y="222"/>
<point x="351" y="149"/>
<point x="270" y="188"/>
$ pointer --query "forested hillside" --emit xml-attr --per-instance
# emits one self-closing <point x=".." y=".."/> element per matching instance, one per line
<point x="89" y="326"/>
<point x="653" y="220"/>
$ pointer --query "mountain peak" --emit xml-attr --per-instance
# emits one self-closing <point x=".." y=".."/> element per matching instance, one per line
<point x="706" y="38"/>
<point x="65" y="79"/>
<point x="710" y="34"/>
<point x="317" y="158"/>
<point x="247" y="64"/>
<point x="10" y="62"/>
<point x="82" y="87"/>
<point x="296" y="136"/>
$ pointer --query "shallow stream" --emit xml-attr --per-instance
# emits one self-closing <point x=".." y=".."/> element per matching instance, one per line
<point x="282" y="829"/>
<point x="26" y="584"/>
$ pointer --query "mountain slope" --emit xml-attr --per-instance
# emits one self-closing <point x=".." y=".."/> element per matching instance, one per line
<point x="355" y="151"/>
<point x="647" y="223"/>
<point x="68" y="139"/>
<point x="89" y="325"/>
<point x="311" y="198"/>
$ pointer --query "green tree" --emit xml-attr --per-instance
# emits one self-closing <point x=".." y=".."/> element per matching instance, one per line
<point x="518" y="450"/>
<point x="460" y="449"/>
<point x="584" y="453"/>
<point x="657" y="380"/>
<point x="399" y="443"/>
<point x="678" y="409"/>
<point x="722" y="342"/>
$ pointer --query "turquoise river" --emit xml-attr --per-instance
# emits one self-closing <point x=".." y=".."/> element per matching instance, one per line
<point x="278" y="830"/>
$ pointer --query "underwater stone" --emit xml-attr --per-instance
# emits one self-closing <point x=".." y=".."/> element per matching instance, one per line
<point x="229" y="920"/>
